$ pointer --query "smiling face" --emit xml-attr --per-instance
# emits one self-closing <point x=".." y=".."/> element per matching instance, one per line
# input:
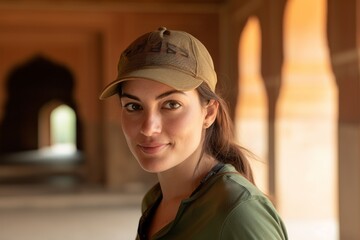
<point x="163" y="127"/>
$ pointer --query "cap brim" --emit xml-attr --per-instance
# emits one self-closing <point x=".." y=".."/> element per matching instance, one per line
<point x="176" y="79"/>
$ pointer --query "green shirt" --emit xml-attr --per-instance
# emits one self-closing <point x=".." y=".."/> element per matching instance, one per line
<point x="227" y="206"/>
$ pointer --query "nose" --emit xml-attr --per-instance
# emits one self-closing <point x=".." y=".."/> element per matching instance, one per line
<point x="151" y="124"/>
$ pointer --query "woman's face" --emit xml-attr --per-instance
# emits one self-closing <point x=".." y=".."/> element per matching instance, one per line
<point x="163" y="127"/>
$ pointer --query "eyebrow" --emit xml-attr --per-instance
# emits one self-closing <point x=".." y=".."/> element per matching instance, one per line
<point x="165" y="94"/>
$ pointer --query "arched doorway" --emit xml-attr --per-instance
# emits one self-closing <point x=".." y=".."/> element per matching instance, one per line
<point x="41" y="113"/>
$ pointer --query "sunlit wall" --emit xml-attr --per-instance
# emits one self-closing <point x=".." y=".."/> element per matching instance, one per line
<point x="305" y="121"/>
<point x="251" y="113"/>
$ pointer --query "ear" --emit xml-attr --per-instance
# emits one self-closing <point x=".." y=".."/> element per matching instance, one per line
<point x="211" y="110"/>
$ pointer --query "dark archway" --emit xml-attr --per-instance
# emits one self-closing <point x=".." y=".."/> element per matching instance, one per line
<point x="29" y="87"/>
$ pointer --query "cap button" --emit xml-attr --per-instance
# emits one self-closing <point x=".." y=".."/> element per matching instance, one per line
<point x="163" y="31"/>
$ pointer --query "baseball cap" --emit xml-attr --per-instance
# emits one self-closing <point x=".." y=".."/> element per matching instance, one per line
<point x="174" y="58"/>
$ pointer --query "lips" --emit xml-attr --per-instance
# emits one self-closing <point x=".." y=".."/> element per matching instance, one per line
<point x="152" y="148"/>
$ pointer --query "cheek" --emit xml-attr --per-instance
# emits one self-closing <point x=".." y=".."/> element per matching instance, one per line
<point x="186" y="124"/>
<point x="129" y="127"/>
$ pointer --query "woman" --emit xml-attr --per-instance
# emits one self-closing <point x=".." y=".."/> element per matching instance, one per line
<point x="177" y="127"/>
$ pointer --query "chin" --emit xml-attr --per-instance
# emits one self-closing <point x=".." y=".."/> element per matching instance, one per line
<point x="152" y="167"/>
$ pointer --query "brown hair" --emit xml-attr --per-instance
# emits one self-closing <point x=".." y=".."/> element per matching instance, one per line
<point x="220" y="139"/>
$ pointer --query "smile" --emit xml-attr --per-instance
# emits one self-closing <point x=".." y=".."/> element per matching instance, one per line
<point x="152" y="149"/>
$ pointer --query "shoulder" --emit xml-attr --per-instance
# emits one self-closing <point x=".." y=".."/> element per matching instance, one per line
<point x="228" y="190"/>
<point x="250" y="214"/>
<point x="234" y="186"/>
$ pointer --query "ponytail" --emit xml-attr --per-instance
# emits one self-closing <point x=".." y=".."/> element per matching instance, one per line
<point x="220" y="139"/>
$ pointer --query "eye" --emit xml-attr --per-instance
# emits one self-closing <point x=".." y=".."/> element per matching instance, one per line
<point x="132" y="107"/>
<point x="172" y="105"/>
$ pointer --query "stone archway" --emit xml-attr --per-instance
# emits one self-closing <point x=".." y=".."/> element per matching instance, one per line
<point x="31" y="86"/>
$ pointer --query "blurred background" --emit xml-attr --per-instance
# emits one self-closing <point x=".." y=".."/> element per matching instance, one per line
<point x="289" y="70"/>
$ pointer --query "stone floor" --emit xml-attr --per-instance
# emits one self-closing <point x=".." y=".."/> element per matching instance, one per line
<point x="38" y="213"/>
<point x="87" y="214"/>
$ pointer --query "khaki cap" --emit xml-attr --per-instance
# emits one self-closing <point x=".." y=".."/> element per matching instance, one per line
<point x="174" y="58"/>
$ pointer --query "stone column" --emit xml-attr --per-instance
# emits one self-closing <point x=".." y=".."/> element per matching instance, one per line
<point x="343" y="40"/>
<point x="271" y="14"/>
